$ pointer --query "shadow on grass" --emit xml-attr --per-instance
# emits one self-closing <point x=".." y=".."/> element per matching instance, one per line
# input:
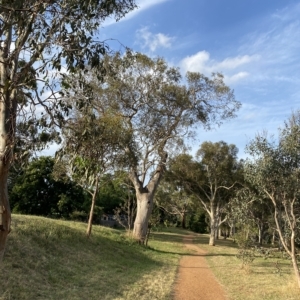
<point x="52" y="259"/>
<point x="192" y="254"/>
<point x="176" y="235"/>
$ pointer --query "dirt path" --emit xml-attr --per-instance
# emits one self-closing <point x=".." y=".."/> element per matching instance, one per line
<point x="195" y="281"/>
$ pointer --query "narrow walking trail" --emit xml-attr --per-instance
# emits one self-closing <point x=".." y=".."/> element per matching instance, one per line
<point x="195" y="280"/>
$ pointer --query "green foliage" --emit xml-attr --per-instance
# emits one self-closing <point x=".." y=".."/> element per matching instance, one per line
<point x="197" y="223"/>
<point x="274" y="170"/>
<point x="35" y="191"/>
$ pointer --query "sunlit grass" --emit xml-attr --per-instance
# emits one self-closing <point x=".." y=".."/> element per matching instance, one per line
<point x="53" y="259"/>
<point x="266" y="279"/>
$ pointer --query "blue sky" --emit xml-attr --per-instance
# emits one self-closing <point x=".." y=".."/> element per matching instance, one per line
<point x="254" y="43"/>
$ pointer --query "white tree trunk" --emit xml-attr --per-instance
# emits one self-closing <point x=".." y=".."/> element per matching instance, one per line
<point x="144" y="197"/>
<point x="213" y="227"/>
<point x="144" y="210"/>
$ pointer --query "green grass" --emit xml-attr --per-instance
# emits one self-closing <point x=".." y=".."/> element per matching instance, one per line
<point x="259" y="280"/>
<point x="53" y="259"/>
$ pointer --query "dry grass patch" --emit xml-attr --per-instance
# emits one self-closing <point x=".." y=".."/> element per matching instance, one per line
<point x="267" y="279"/>
<point x="52" y="259"/>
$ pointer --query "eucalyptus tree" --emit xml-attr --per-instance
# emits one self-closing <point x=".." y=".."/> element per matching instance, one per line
<point x="173" y="200"/>
<point x="209" y="178"/>
<point x="248" y="209"/>
<point x="90" y="150"/>
<point x="160" y="108"/>
<point x="40" y="43"/>
<point x="274" y="169"/>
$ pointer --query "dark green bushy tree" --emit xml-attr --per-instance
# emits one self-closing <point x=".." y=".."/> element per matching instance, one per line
<point x="36" y="192"/>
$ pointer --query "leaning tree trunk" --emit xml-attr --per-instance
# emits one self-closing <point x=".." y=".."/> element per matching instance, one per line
<point x="90" y="222"/>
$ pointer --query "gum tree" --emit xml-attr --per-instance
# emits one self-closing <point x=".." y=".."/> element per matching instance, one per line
<point x="41" y="42"/>
<point x="160" y="110"/>
<point x="274" y="170"/>
<point x="91" y="148"/>
<point x="209" y="178"/>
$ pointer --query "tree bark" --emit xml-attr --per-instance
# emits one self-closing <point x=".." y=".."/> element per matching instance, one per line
<point x="260" y="233"/>
<point x="90" y="222"/>
<point x="144" y="210"/>
<point x="144" y="197"/>
<point x="212" y="236"/>
<point x="7" y="134"/>
<point x="5" y="214"/>
<point x="8" y="108"/>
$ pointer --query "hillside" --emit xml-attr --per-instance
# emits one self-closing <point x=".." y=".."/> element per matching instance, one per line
<point x="53" y="259"/>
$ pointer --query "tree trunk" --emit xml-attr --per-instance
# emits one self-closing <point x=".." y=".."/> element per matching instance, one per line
<point x="213" y="222"/>
<point x="90" y="222"/>
<point x="8" y="109"/>
<point x="183" y="220"/>
<point x="7" y="134"/>
<point x="273" y="237"/>
<point x="5" y="214"/>
<point x="213" y="226"/>
<point x="144" y="198"/>
<point x="144" y="209"/>
<point x="260" y="233"/>
<point x="294" y="258"/>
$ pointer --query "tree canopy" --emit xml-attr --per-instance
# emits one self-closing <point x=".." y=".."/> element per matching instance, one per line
<point x="41" y="43"/>
<point x="159" y="108"/>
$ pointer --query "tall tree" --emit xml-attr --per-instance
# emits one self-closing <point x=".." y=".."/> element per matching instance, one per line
<point x="274" y="170"/>
<point x="160" y="110"/>
<point x="219" y="166"/>
<point x="40" y="42"/>
<point x="209" y="179"/>
<point x="91" y="149"/>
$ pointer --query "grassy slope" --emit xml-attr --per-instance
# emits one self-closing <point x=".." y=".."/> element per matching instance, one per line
<point x="261" y="280"/>
<point x="52" y="259"/>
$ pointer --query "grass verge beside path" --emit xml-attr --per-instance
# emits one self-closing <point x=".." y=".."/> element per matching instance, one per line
<point x="52" y="259"/>
<point x="263" y="279"/>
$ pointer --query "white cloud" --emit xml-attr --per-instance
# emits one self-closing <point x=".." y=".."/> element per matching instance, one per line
<point x="236" y="77"/>
<point x="230" y="66"/>
<point x="201" y="62"/>
<point x="234" y="62"/>
<point x="153" y="41"/>
<point x="142" y="5"/>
